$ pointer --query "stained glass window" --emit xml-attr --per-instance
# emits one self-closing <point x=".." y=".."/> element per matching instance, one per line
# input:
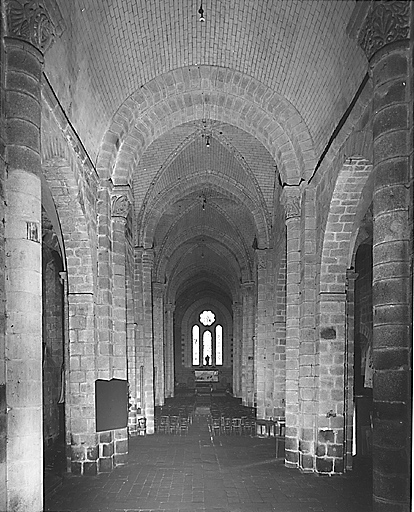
<point x="207" y="318"/>
<point x="219" y="345"/>
<point x="196" y="345"/>
<point x="207" y="348"/>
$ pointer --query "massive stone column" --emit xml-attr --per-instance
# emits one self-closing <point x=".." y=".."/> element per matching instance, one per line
<point x="385" y="37"/>
<point x="29" y="31"/>
<point x="351" y="277"/>
<point x="121" y="203"/>
<point x="120" y="208"/>
<point x="263" y="382"/>
<point x="169" y="349"/>
<point x="237" y="348"/>
<point x="158" y="328"/>
<point x="248" y="344"/>
<point x="291" y="201"/>
<point x="145" y="336"/>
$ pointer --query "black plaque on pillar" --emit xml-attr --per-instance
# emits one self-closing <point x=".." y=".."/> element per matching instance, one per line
<point x="111" y="404"/>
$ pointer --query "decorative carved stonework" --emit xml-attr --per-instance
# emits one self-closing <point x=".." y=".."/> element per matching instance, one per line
<point x="29" y="20"/>
<point x="120" y="207"/>
<point x="292" y="206"/>
<point x="247" y="288"/>
<point x="261" y="259"/>
<point x="385" y="23"/>
<point x="158" y="290"/>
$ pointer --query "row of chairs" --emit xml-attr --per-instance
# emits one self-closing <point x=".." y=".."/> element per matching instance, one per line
<point x="227" y="425"/>
<point x="172" y="424"/>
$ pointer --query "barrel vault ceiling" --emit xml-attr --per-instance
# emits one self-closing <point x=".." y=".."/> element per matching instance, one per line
<point x="205" y="190"/>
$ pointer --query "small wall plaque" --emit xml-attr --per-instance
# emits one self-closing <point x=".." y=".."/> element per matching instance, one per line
<point x="33" y="231"/>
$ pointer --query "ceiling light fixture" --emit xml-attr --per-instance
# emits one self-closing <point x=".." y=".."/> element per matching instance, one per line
<point x="203" y="202"/>
<point x="201" y="13"/>
<point x="206" y="133"/>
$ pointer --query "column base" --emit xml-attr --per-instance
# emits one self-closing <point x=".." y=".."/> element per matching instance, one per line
<point x="98" y="453"/>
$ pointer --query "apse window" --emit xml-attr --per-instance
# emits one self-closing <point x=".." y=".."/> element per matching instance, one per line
<point x="207" y="341"/>
<point x="219" y="345"/>
<point x="207" y="318"/>
<point x="196" y="345"/>
<point x="207" y="348"/>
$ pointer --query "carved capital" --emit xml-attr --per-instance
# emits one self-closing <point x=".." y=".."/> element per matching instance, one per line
<point x="33" y="21"/>
<point x="120" y="206"/>
<point x="261" y="259"/>
<point x="148" y="258"/>
<point x="237" y="308"/>
<point x="170" y="308"/>
<point x="386" y="22"/>
<point x="158" y="290"/>
<point x="291" y="201"/>
<point x="247" y="288"/>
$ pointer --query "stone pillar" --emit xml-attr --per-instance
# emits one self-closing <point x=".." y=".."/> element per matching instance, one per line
<point x="158" y="328"/>
<point x="104" y="300"/>
<point x="120" y="208"/>
<point x="261" y="348"/>
<point x="121" y="203"/>
<point x="237" y="348"/>
<point x="351" y="277"/>
<point x="28" y="33"/>
<point x="81" y="437"/>
<point x="169" y="350"/>
<point x="248" y="344"/>
<point x="331" y="382"/>
<point x="291" y="201"/>
<point x="145" y="341"/>
<point x="385" y="38"/>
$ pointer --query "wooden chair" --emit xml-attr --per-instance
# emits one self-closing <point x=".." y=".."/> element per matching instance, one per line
<point x="216" y="425"/>
<point x="164" y="424"/>
<point x="236" y="426"/>
<point x="174" y="424"/>
<point x="142" y="427"/>
<point x="249" y="426"/>
<point x="183" y="425"/>
<point x="227" y="425"/>
<point x="280" y="434"/>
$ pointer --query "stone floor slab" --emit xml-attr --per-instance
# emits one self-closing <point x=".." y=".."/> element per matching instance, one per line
<point x="202" y="473"/>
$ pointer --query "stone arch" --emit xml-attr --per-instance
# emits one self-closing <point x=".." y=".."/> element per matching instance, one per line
<point x="227" y="269"/>
<point x="341" y="223"/>
<point x="59" y="176"/>
<point x="249" y="184"/>
<point x="207" y="303"/>
<point x="225" y="240"/>
<point x="176" y="191"/>
<point x="342" y="199"/>
<point x="213" y="274"/>
<point x="209" y="92"/>
<point x="71" y="181"/>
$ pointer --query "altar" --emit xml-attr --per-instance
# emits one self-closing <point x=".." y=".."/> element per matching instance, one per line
<point x="206" y="376"/>
<point x="206" y="380"/>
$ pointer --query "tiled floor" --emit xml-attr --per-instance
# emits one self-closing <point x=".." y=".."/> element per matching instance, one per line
<point x="201" y="473"/>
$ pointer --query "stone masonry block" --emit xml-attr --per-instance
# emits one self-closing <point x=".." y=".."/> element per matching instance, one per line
<point x="335" y="450"/>
<point x="27" y="61"/>
<point x="120" y="459"/>
<point x="105" y="465"/>
<point x="90" y="468"/>
<point x="326" y="436"/>
<point x="306" y="462"/>
<point x="392" y="385"/>
<point x="392" y="66"/>
<point x="324" y="465"/>
<point x="76" y="468"/>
